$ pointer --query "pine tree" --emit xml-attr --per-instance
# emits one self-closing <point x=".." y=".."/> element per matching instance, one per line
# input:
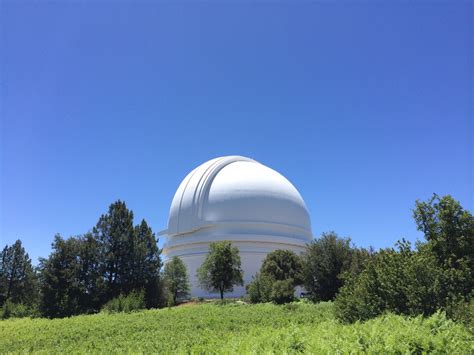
<point x="114" y="233"/>
<point x="18" y="282"/>
<point x="145" y="263"/>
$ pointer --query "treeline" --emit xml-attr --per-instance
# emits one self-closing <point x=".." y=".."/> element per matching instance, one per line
<point x="437" y="274"/>
<point x="117" y="267"/>
<point x="84" y="273"/>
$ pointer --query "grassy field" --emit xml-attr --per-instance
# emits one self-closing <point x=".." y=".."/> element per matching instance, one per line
<point x="234" y="328"/>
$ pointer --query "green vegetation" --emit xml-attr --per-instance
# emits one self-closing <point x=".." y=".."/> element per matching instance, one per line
<point x="327" y="262"/>
<point x="221" y="270"/>
<point x="134" y="301"/>
<point x="83" y="273"/>
<point x="18" y="282"/>
<point x="281" y="271"/>
<point x="235" y="328"/>
<point x="397" y="300"/>
<point x="176" y="280"/>
<point x="438" y="274"/>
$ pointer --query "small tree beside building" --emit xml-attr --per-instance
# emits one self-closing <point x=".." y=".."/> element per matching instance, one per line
<point x="221" y="270"/>
<point x="176" y="279"/>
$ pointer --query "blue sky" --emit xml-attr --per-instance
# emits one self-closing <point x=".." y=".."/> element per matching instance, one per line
<point x="364" y="106"/>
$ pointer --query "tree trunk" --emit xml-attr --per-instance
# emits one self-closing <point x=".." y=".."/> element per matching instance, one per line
<point x="222" y="294"/>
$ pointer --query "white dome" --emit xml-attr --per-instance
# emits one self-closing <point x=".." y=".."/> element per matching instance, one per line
<point x="239" y="200"/>
<point x="239" y="190"/>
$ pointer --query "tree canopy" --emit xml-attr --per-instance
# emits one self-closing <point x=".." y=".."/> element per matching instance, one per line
<point x="438" y="274"/>
<point x="221" y="270"/>
<point x="83" y="273"/>
<point x="17" y="277"/>
<point x="325" y="263"/>
<point x="176" y="279"/>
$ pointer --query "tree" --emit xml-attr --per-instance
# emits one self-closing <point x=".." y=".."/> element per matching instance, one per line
<point x="260" y="289"/>
<point x="324" y="262"/>
<point x="280" y="273"/>
<point x="221" y="270"/>
<point x="282" y="265"/>
<point x="176" y="279"/>
<point x="402" y="280"/>
<point x="130" y="257"/>
<point x="283" y="291"/>
<point x="145" y="263"/>
<point x="71" y="282"/>
<point x="115" y="234"/>
<point x="449" y="231"/>
<point x="18" y="281"/>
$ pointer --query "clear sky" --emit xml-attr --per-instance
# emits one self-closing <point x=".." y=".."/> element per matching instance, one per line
<point x="364" y="106"/>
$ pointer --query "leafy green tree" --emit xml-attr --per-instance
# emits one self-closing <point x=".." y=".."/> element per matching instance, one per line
<point x="221" y="270"/>
<point x="283" y="265"/>
<point x="280" y="273"/>
<point x="176" y="279"/>
<point x="449" y="231"/>
<point x="324" y="262"/>
<point x="18" y="282"/>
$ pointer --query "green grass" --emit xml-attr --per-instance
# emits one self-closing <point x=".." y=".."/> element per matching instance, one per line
<point x="234" y="328"/>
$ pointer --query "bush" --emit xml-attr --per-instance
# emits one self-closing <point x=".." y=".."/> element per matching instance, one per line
<point x="134" y="301"/>
<point x="401" y="281"/>
<point x="462" y="312"/>
<point x="259" y="290"/>
<point x="17" y="310"/>
<point x="283" y="291"/>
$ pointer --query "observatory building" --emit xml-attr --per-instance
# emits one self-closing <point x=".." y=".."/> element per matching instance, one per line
<point x="236" y="199"/>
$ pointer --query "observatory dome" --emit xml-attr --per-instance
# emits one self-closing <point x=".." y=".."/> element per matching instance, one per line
<point x="240" y="200"/>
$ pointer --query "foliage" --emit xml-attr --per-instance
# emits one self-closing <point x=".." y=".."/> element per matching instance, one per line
<point x="70" y="279"/>
<point x="260" y="289"/>
<point x="280" y="272"/>
<point x="462" y="312"/>
<point x="145" y="263"/>
<point x="437" y="275"/>
<point x="18" y="282"/>
<point x="134" y="301"/>
<point x="235" y="329"/>
<point x="129" y="256"/>
<point x="283" y="291"/>
<point x="324" y="262"/>
<point x="283" y="265"/>
<point x="18" y="310"/>
<point x="401" y="281"/>
<point x="221" y="269"/>
<point x="176" y="279"/>
<point x="449" y="231"/>
<point x="83" y="273"/>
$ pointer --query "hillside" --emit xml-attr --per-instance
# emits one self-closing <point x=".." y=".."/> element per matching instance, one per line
<point x="233" y="328"/>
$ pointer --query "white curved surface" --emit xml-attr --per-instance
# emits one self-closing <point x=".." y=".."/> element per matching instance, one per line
<point x="240" y="200"/>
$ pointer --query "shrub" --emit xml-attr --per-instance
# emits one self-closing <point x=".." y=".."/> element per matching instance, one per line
<point x="401" y="281"/>
<point x="134" y="301"/>
<point x="17" y="310"/>
<point x="462" y="312"/>
<point x="283" y="291"/>
<point x="259" y="290"/>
